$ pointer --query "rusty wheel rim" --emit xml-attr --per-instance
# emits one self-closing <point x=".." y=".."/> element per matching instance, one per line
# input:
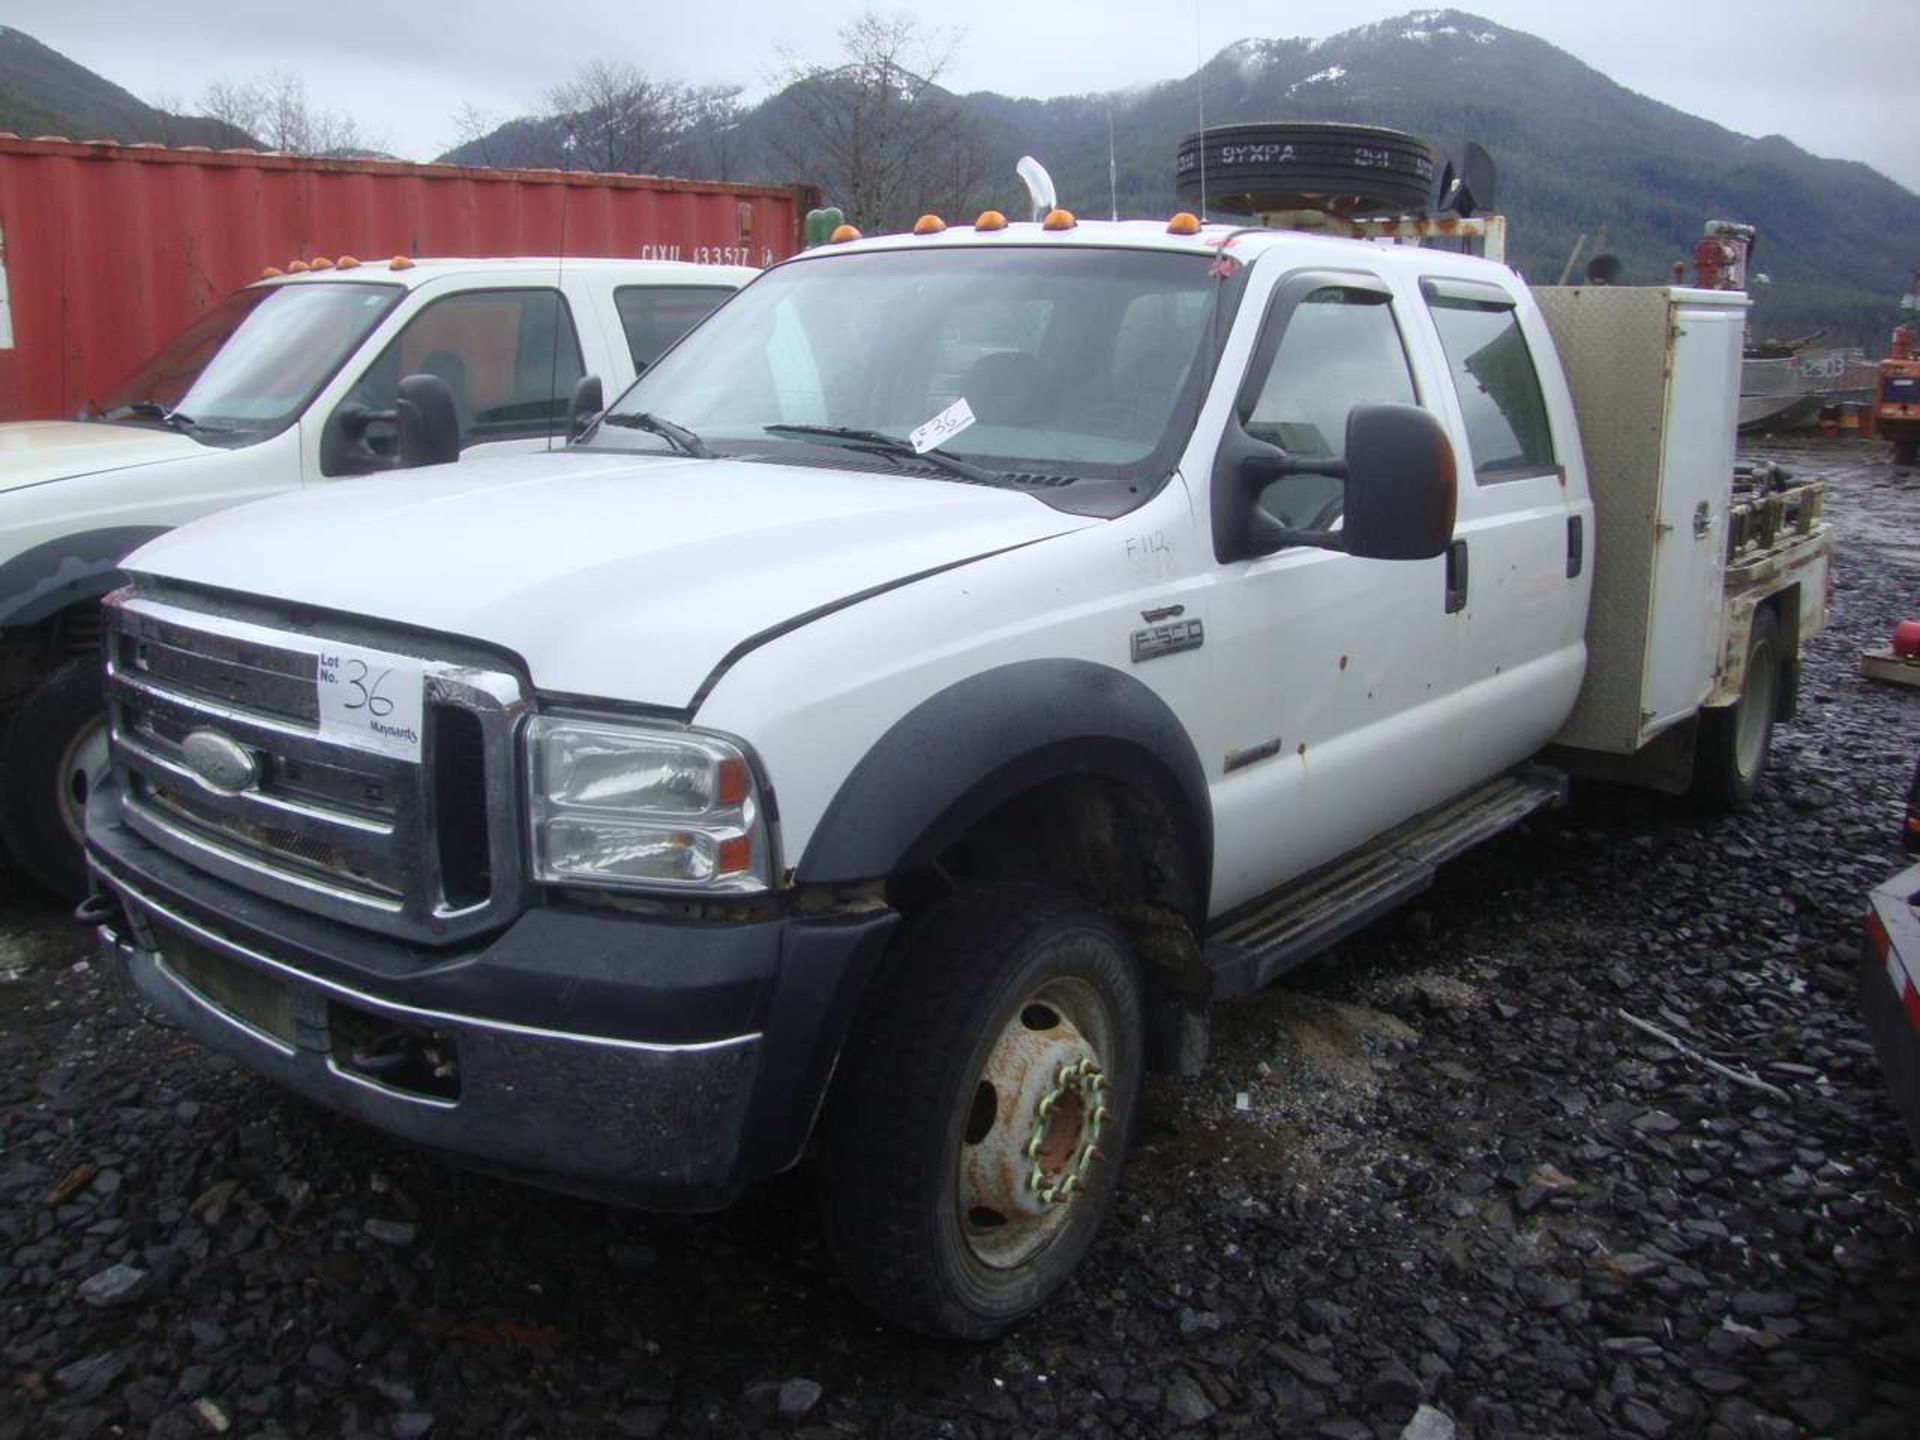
<point x="83" y="766"/>
<point x="1036" y="1116"/>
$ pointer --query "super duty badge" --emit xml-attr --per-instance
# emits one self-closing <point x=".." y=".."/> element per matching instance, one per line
<point x="1167" y="638"/>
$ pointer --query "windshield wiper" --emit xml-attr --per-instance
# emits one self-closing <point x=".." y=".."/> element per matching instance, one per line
<point x="890" y="445"/>
<point x="153" y="410"/>
<point x="679" y="437"/>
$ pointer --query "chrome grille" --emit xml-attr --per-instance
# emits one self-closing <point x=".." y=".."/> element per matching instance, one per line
<point x="323" y="824"/>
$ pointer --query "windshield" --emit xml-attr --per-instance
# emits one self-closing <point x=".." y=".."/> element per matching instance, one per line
<point x="250" y="365"/>
<point x="1078" y="364"/>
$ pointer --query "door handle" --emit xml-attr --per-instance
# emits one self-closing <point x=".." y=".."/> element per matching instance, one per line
<point x="1576" y="546"/>
<point x="1456" y="576"/>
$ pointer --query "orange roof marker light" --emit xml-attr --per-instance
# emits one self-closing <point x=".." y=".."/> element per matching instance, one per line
<point x="1184" y="223"/>
<point x="320" y="262"/>
<point x="297" y="267"/>
<point x="842" y="234"/>
<point x="271" y="271"/>
<point x="400" y="262"/>
<point x="1059" y="220"/>
<point x="929" y="225"/>
<point x="990" y="220"/>
<point x="346" y="262"/>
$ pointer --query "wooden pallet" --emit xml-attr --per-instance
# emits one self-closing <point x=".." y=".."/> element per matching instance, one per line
<point x="1885" y="665"/>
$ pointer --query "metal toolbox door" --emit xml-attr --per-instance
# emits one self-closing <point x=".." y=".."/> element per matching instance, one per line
<point x="1689" y="540"/>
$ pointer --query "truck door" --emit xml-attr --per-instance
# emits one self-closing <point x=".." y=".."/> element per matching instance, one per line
<point x="1334" y="674"/>
<point x="1523" y="541"/>
<point x="509" y="356"/>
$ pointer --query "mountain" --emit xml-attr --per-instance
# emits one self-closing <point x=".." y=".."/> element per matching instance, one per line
<point x="1575" y="151"/>
<point x="42" y="92"/>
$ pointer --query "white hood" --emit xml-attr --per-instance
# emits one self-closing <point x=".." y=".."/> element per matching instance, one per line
<point x="612" y="576"/>
<point x="33" y="452"/>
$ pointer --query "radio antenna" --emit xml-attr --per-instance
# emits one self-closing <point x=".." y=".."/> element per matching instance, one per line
<point x="1113" y="173"/>
<point x="560" y="289"/>
<point x="1200" y="80"/>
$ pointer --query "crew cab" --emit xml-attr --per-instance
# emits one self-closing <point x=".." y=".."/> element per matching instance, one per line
<point x="289" y="382"/>
<point x="899" y="716"/>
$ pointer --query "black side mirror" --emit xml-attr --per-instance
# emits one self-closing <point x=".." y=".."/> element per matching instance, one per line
<point x="429" y="426"/>
<point x="347" y="446"/>
<point x="585" y="406"/>
<point x="1400" y="489"/>
<point x="1402" y="484"/>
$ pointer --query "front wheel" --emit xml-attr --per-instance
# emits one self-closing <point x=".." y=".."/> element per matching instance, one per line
<point x="1736" y="739"/>
<point x="984" y="1103"/>
<point x="56" y="754"/>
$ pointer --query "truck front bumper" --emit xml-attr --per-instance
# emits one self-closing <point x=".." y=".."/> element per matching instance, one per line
<point x="623" y="1056"/>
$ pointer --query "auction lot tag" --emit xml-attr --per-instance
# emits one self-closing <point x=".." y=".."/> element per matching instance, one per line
<point x="942" y="427"/>
<point x="371" y="700"/>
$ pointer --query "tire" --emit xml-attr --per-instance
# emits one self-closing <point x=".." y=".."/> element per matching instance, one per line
<point x="1345" y="169"/>
<point x="55" y="751"/>
<point x="1736" y="739"/>
<point x="1905" y="453"/>
<point x="1005" y="992"/>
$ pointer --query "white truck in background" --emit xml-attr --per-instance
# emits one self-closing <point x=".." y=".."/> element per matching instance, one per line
<point x="916" y="699"/>
<point x="288" y="382"/>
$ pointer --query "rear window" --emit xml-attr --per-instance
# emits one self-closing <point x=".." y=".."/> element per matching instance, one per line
<point x="654" y="316"/>
<point x="1493" y="374"/>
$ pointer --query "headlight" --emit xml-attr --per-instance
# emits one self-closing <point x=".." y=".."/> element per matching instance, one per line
<point x="643" y="808"/>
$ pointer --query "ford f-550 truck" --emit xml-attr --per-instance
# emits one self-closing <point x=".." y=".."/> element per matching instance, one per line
<point x="960" y="661"/>
<point x="289" y="382"/>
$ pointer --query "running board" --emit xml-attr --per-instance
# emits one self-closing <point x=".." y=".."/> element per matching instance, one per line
<point x="1309" y="916"/>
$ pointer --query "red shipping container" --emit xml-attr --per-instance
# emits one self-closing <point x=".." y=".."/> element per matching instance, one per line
<point x="106" y="251"/>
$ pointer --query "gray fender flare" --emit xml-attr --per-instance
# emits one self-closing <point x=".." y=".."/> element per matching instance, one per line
<point x="961" y="753"/>
<point x="51" y="576"/>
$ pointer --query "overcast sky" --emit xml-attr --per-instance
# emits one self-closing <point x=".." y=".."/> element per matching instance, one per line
<point x="1839" y="77"/>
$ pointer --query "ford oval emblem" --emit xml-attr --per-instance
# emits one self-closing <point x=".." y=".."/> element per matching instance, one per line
<point x="222" y="765"/>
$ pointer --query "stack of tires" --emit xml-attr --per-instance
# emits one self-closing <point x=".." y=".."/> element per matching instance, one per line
<point x="1345" y="170"/>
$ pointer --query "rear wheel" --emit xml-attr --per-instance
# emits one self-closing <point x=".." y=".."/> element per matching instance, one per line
<point x="55" y="755"/>
<point x="974" y="1145"/>
<point x="1736" y="739"/>
<point x="1906" y="452"/>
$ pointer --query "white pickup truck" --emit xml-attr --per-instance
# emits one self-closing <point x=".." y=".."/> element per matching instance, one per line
<point x="960" y="661"/>
<point x="289" y="382"/>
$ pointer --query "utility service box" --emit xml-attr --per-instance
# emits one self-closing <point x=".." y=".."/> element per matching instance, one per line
<point x="1655" y="376"/>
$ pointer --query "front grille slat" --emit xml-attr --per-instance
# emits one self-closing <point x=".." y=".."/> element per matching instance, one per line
<point x="167" y="771"/>
<point x="245" y="687"/>
<point x="373" y="838"/>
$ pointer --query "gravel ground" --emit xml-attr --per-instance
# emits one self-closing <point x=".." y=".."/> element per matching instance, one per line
<point x="1436" y="1173"/>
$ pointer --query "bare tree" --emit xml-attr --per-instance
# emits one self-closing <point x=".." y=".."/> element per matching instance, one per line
<point x="612" y="117"/>
<point x="476" y="130"/>
<point x="275" y="111"/>
<point x="232" y="103"/>
<point x="875" y="130"/>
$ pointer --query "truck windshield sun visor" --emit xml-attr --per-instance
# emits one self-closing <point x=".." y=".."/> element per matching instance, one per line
<point x="1079" y="364"/>
<point x="248" y="367"/>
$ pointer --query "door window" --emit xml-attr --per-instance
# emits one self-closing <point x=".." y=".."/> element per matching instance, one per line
<point x="509" y="357"/>
<point x="654" y="316"/>
<point x="1341" y="349"/>
<point x="1493" y="374"/>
